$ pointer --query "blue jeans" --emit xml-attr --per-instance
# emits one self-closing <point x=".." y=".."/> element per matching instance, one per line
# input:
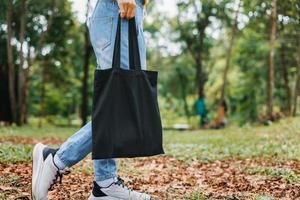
<point x="102" y="28"/>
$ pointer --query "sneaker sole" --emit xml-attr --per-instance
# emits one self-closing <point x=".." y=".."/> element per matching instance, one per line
<point x="92" y="197"/>
<point x="37" y="166"/>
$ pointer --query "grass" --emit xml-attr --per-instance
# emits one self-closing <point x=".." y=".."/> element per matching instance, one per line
<point x="279" y="141"/>
<point x="287" y="174"/>
<point x="11" y="180"/>
<point x="200" y="196"/>
<point x="15" y="153"/>
<point x="34" y="131"/>
<point x="263" y="198"/>
<point x="196" y="196"/>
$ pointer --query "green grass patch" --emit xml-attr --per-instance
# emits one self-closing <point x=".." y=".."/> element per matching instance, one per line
<point x="14" y="153"/>
<point x="259" y="197"/>
<point x="287" y="174"/>
<point x="11" y="180"/>
<point x="280" y="142"/>
<point x="196" y="196"/>
<point x="34" y="131"/>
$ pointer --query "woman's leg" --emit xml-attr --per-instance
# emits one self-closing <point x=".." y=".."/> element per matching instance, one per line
<point x="49" y="163"/>
<point x="102" y="26"/>
<point x="77" y="147"/>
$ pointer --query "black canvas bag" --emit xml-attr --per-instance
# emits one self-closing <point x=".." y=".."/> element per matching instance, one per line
<point x="126" y="119"/>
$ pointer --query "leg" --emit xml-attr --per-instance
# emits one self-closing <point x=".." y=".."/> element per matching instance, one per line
<point x="45" y="170"/>
<point x="78" y="147"/>
<point x="49" y="164"/>
<point x="102" y="26"/>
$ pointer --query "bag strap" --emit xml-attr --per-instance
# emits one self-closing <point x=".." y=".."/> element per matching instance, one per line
<point x="116" y="56"/>
<point x="134" y="54"/>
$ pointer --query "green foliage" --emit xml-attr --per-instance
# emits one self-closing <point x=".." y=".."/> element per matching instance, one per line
<point x="251" y="58"/>
<point x="248" y="76"/>
<point x="11" y="153"/>
<point x="175" y="45"/>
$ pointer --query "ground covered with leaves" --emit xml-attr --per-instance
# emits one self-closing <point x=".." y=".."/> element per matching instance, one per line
<point x="234" y="163"/>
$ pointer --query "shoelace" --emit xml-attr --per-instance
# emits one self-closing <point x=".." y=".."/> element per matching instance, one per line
<point x="58" y="176"/>
<point x="120" y="182"/>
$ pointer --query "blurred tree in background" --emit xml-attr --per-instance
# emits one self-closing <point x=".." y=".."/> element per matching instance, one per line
<point x="217" y="50"/>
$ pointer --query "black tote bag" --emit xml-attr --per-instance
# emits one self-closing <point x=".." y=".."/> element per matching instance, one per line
<point x="126" y="119"/>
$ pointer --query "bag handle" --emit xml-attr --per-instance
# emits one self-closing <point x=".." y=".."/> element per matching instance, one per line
<point x="134" y="54"/>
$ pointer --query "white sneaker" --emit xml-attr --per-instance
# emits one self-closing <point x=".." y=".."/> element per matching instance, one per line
<point x="116" y="191"/>
<point x="44" y="171"/>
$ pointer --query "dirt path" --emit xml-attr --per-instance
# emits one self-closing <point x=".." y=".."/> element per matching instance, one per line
<point x="167" y="178"/>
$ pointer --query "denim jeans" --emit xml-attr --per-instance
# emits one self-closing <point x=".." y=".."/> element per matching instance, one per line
<point x="102" y="26"/>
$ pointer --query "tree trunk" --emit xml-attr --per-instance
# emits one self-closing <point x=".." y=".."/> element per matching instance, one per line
<point x="285" y="76"/>
<point x="271" y="61"/>
<point x="25" y="95"/>
<point x="200" y="80"/>
<point x="229" y="53"/>
<point x="10" y="61"/>
<point x="84" y="91"/>
<point x="197" y="55"/>
<point x="200" y="73"/>
<point x="183" y="82"/>
<point x="45" y="61"/>
<point x="43" y="91"/>
<point x="297" y="85"/>
<point x="21" y="72"/>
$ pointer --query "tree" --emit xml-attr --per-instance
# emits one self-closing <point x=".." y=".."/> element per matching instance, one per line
<point x="270" y="88"/>
<point x="288" y="31"/>
<point x="192" y="31"/>
<point x="10" y="60"/>
<point x="297" y="82"/>
<point x="22" y="73"/>
<point x="45" y="63"/>
<point x="229" y="53"/>
<point x="287" y="106"/>
<point x="86" y="63"/>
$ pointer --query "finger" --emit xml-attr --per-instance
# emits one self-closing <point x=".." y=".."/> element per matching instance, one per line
<point x="133" y="14"/>
<point x="131" y="11"/>
<point x="122" y="11"/>
<point x="126" y="7"/>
